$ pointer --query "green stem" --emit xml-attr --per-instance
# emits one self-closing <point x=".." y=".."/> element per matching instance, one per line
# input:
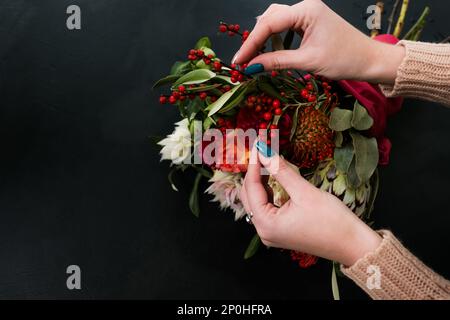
<point x="416" y="30"/>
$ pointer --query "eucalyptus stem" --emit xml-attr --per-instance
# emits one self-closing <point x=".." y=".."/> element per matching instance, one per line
<point x="401" y="19"/>
<point x="418" y="27"/>
<point x="392" y="15"/>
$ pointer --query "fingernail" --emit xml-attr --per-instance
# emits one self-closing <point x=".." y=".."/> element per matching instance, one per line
<point x="264" y="149"/>
<point x="253" y="69"/>
<point x="235" y="57"/>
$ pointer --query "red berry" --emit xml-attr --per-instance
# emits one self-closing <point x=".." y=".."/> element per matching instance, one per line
<point x="274" y="73"/>
<point x="234" y="80"/>
<point x="203" y="95"/>
<point x="267" y="116"/>
<point x="237" y="27"/>
<point x="258" y="108"/>
<point x="217" y="66"/>
<point x="223" y="28"/>
<point x="220" y="122"/>
<point x="263" y="125"/>
<point x="231" y="33"/>
<point x="276" y="103"/>
<point x="304" y="93"/>
<point x="273" y="127"/>
<point x="182" y="88"/>
<point x="278" y="111"/>
<point x="192" y="52"/>
<point x="207" y="61"/>
<point x="325" y="84"/>
<point x="176" y="94"/>
<point x="200" y="53"/>
<point x="172" y="100"/>
<point x="162" y="99"/>
<point x="240" y="78"/>
<point x="231" y="27"/>
<point x="312" y="98"/>
<point x="309" y="86"/>
<point x="192" y="57"/>
<point x="182" y="98"/>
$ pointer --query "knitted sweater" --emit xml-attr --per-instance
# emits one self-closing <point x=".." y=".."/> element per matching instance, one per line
<point x="391" y="271"/>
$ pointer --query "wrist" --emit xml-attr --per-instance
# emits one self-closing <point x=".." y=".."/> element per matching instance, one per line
<point x="384" y="62"/>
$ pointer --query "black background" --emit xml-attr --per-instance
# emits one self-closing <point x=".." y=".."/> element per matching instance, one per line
<point x="80" y="183"/>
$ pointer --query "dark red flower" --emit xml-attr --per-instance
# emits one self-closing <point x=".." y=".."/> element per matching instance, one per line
<point x="304" y="260"/>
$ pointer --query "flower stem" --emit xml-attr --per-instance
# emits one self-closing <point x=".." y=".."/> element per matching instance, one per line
<point x="392" y="15"/>
<point x="416" y="30"/>
<point x="401" y="20"/>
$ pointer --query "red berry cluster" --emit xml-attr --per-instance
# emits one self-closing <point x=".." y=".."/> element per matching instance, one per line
<point x="196" y="55"/>
<point x="266" y="107"/>
<point x="182" y="93"/>
<point x="233" y="29"/>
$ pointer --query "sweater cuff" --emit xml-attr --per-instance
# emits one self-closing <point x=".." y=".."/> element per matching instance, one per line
<point x="423" y="74"/>
<point x="392" y="272"/>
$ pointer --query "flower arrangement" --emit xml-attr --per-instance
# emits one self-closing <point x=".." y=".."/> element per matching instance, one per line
<point x="332" y="132"/>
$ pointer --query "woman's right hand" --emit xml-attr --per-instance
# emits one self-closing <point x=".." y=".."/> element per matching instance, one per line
<point x="331" y="47"/>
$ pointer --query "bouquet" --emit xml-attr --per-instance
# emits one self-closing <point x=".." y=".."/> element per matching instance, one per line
<point x="332" y="132"/>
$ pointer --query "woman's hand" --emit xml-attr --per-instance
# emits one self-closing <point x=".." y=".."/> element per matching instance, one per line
<point x="312" y="221"/>
<point x="331" y="47"/>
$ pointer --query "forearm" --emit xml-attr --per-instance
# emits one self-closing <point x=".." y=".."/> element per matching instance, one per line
<point x="401" y="275"/>
<point x="424" y="73"/>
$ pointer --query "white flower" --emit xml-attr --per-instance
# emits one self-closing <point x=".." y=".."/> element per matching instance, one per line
<point x="226" y="187"/>
<point x="177" y="146"/>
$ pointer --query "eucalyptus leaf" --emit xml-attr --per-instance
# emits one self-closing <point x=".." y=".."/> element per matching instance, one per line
<point x="341" y="119"/>
<point x="234" y="101"/>
<point x="366" y="151"/>
<point x="193" y="198"/>
<point x="195" y="77"/>
<point x="339" y="185"/>
<point x="225" y="79"/>
<point x="352" y="177"/>
<point x="252" y="247"/>
<point x="216" y="106"/>
<point x="343" y="157"/>
<point x="203" y="42"/>
<point x="166" y="80"/>
<point x="339" y="139"/>
<point x="204" y="88"/>
<point x="361" y="119"/>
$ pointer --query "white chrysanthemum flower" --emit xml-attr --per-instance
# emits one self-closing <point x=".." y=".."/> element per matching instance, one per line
<point x="226" y="187"/>
<point x="177" y="146"/>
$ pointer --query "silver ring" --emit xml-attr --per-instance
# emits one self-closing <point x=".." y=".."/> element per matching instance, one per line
<point x="249" y="217"/>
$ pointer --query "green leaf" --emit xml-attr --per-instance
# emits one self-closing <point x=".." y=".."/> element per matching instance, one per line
<point x="252" y="247"/>
<point x="343" y="157"/>
<point x="193" y="198"/>
<point x="216" y="106"/>
<point x="334" y="283"/>
<point x="266" y="87"/>
<point x="361" y="119"/>
<point x="366" y="151"/>
<point x="204" y="88"/>
<point x="193" y="108"/>
<point x="204" y="172"/>
<point x="339" y="185"/>
<point x="352" y="177"/>
<point x="225" y="79"/>
<point x="235" y="101"/>
<point x="341" y="119"/>
<point x="166" y="80"/>
<point x="170" y="178"/>
<point x="180" y="67"/>
<point x="288" y="39"/>
<point x="294" y="124"/>
<point x="339" y="139"/>
<point x="207" y="123"/>
<point x="277" y="42"/>
<point x="203" y="42"/>
<point x="195" y="77"/>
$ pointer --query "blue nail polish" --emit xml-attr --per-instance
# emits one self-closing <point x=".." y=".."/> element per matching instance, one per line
<point x="264" y="149"/>
<point x="254" y="69"/>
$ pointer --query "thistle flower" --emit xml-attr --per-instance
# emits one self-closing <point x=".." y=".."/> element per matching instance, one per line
<point x="226" y="187"/>
<point x="177" y="146"/>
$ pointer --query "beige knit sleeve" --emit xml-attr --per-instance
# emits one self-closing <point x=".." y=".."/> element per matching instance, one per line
<point x="424" y="73"/>
<point x="392" y="272"/>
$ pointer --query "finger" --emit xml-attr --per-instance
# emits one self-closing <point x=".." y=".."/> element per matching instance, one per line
<point x="278" y="60"/>
<point x="258" y="201"/>
<point x="270" y="23"/>
<point x="244" y="199"/>
<point x="289" y="178"/>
